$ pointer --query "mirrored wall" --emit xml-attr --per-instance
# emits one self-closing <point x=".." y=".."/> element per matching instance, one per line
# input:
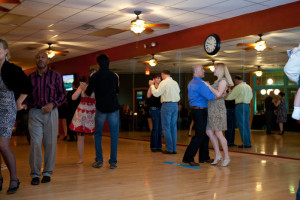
<point x="241" y="59"/>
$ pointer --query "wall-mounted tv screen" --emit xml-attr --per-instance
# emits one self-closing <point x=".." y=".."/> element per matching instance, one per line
<point x="68" y="80"/>
<point x="139" y="95"/>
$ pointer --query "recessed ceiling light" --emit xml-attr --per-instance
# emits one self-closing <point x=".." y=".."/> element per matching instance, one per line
<point x="54" y="36"/>
<point x="50" y="25"/>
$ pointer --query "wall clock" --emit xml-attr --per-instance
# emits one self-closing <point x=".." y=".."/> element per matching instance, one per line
<point x="212" y="44"/>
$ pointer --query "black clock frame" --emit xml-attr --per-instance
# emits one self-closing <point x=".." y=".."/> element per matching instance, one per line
<point x="218" y="46"/>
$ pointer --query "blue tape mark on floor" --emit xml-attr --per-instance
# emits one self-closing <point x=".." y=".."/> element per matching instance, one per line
<point x="181" y="165"/>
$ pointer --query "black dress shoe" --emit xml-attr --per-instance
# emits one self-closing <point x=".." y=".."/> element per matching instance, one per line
<point x="232" y="145"/>
<point x="35" y="181"/>
<point x="46" y="179"/>
<point x="191" y="163"/>
<point x="153" y="150"/>
<point x="207" y="161"/>
<point x="14" y="189"/>
<point x="174" y="152"/>
<point x="244" y="146"/>
<point x="159" y="150"/>
<point x="167" y="152"/>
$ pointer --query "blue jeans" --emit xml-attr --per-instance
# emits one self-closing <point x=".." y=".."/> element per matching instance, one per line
<point x="169" y="115"/>
<point x="113" y="119"/>
<point x="230" y="132"/>
<point x="155" y="141"/>
<point x="242" y="114"/>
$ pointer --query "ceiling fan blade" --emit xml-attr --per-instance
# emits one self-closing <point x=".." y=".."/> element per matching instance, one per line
<point x="145" y="62"/>
<point x="249" y="48"/>
<point x="148" y="30"/>
<point x="126" y="29"/>
<point x="159" y="25"/>
<point x="269" y="48"/>
<point x="2" y="9"/>
<point x="10" y="1"/>
<point x="244" y="44"/>
<point x="60" y="52"/>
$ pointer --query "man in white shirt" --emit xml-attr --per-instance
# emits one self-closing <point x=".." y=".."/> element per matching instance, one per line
<point x="168" y="90"/>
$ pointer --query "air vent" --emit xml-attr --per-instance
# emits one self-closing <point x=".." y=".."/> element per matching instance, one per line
<point x="86" y="27"/>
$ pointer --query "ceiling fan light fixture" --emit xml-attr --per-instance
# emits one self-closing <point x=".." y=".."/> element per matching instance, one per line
<point x="260" y="45"/>
<point x="212" y="68"/>
<point x="138" y="26"/>
<point x="258" y="73"/>
<point x="50" y="53"/>
<point x="152" y="62"/>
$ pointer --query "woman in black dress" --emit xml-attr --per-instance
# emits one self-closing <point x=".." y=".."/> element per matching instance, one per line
<point x="281" y="112"/>
<point x="13" y="85"/>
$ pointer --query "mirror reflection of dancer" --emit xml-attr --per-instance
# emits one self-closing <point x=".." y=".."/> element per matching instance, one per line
<point x="154" y="109"/>
<point x="217" y="120"/>
<point x="83" y="121"/>
<point x="292" y="70"/>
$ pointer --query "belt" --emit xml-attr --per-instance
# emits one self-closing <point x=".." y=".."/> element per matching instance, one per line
<point x="242" y="103"/>
<point x="38" y="107"/>
<point x="197" y="108"/>
<point x="169" y="102"/>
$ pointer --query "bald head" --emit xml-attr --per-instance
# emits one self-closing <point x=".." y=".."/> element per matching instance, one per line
<point x="198" y="71"/>
<point x="41" y="60"/>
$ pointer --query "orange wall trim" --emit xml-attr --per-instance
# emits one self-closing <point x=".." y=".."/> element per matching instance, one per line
<point x="273" y="19"/>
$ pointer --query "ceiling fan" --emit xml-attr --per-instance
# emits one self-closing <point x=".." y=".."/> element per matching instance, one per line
<point x="259" y="45"/>
<point x="210" y="66"/>
<point x="51" y="53"/>
<point x="152" y="62"/>
<point x="3" y="9"/>
<point x="138" y="25"/>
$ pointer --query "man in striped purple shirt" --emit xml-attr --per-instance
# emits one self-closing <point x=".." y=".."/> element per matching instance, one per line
<point x="47" y="94"/>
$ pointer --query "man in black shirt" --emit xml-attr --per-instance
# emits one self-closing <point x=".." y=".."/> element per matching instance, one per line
<point x="105" y="84"/>
<point x="270" y="116"/>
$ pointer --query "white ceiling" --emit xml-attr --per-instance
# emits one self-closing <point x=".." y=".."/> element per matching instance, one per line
<point x="32" y="29"/>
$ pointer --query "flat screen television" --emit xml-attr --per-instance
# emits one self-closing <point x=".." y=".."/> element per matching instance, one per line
<point x="139" y="95"/>
<point x="68" y="79"/>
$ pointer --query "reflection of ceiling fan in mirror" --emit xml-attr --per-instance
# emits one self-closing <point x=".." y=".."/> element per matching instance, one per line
<point x="259" y="45"/>
<point x="152" y="62"/>
<point x="138" y="25"/>
<point x="210" y="66"/>
<point x="3" y="9"/>
<point x="51" y="53"/>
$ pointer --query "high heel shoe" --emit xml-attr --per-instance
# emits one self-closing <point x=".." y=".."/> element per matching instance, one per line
<point x="225" y="162"/>
<point x="216" y="161"/>
<point x="14" y="189"/>
<point x="1" y="182"/>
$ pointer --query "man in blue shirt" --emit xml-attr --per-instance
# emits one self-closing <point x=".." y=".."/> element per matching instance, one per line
<point x="198" y="94"/>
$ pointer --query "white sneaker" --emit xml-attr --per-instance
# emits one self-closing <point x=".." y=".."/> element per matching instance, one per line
<point x="296" y="113"/>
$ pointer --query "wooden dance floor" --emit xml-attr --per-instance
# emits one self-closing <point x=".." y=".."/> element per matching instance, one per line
<point x="142" y="174"/>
